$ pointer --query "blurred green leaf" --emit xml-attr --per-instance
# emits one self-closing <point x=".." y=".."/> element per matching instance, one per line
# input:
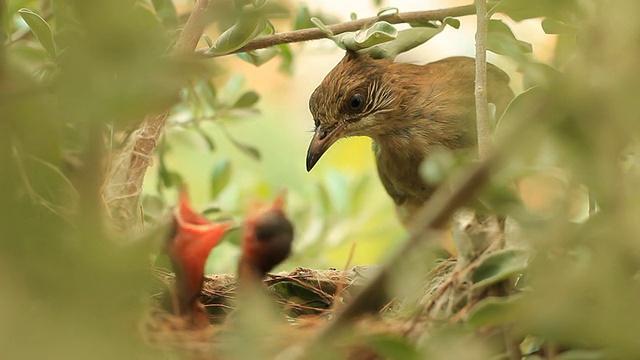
<point x="247" y="99"/>
<point x="166" y="11"/>
<point x="286" y="55"/>
<point x="500" y="40"/>
<point x="453" y="22"/>
<point x="249" y="150"/>
<point x="259" y="57"/>
<point x="520" y="10"/>
<point x="207" y="139"/>
<point x="499" y="266"/>
<point x="245" y="29"/>
<point x="302" y="19"/>
<point x="553" y="26"/>
<point x="41" y="30"/>
<point x="220" y="177"/>
<point x="493" y="311"/>
<point x="393" y="347"/>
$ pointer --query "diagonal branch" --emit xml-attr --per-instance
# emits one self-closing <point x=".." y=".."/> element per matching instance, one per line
<point x="316" y="33"/>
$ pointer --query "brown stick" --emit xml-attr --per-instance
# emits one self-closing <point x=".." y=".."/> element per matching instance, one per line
<point x="315" y="33"/>
<point x="123" y="184"/>
<point x="482" y="107"/>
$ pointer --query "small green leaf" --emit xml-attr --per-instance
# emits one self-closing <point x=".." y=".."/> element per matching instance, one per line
<point x="453" y="22"/>
<point x="552" y="26"/>
<point x="259" y="57"/>
<point x="166" y="11"/>
<point x="247" y="99"/>
<point x="520" y="10"/>
<point x="286" y="55"/>
<point x="41" y="30"/>
<point x="220" y="177"/>
<point x="388" y="11"/>
<point x="405" y="40"/>
<point x="501" y="40"/>
<point x="499" y="266"/>
<point x="393" y="347"/>
<point x="378" y="33"/>
<point x="247" y="149"/>
<point x="303" y="18"/>
<point x="317" y="22"/>
<point x="244" y="30"/>
<point x="207" y="139"/>
<point x="494" y="311"/>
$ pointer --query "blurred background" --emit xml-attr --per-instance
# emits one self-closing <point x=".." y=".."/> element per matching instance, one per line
<point x="282" y="130"/>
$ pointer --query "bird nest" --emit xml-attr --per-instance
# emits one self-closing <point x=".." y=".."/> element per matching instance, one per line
<point x="309" y="300"/>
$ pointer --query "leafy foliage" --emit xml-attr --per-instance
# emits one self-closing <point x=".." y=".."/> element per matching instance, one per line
<point x="77" y="78"/>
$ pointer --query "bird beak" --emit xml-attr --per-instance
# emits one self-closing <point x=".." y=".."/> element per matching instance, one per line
<point x="321" y="142"/>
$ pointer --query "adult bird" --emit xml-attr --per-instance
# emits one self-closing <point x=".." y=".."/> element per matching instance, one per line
<point x="407" y="110"/>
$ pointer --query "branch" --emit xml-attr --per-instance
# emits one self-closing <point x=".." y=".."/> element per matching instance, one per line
<point x="123" y="184"/>
<point x="315" y="33"/>
<point x="482" y="107"/>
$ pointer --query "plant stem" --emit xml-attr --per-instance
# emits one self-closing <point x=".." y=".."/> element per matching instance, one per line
<point x="482" y="107"/>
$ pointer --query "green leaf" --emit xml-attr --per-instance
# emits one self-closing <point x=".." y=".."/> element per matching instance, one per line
<point x="499" y="266"/>
<point x="393" y="347"/>
<point x="166" y="11"/>
<point x="405" y="40"/>
<point x="317" y="22"/>
<point x="207" y="139"/>
<point x="220" y="177"/>
<point x="41" y="30"/>
<point x="245" y="29"/>
<point x="378" y="33"/>
<point x="453" y="22"/>
<point x="520" y="10"/>
<point x="259" y="57"/>
<point x="501" y="40"/>
<point x="303" y="18"/>
<point x="552" y="26"/>
<point x="494" y="311"/>
<point x="245" y="148"/>
<point x="388" y="11"/>
<point x="247" y="99"/>
<point x="286" y="55"/>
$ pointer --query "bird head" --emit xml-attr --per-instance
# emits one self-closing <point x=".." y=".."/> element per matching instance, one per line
<point x="194" y="238"/>
<point x="351" y="101"/>
<point x="266" y="241"/>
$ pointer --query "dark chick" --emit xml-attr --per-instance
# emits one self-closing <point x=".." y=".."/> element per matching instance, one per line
<point x="408" y="110"/>
<point x="266" y="242"/>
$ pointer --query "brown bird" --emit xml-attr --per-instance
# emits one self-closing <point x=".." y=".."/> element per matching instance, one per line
<point x="188" y="249"/>
<point x="266" y="242"/>
<point x="407" y="110"/>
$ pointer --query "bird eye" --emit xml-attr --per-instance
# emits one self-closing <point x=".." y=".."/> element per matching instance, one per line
<point x="356" y="102"/>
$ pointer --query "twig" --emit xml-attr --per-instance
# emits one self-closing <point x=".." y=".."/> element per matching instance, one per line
<point x="315" y="33"/>
<point x="482" y="107"/>
<point x="123" y="184"/>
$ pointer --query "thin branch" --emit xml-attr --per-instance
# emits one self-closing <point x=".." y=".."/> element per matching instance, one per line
<point x="123" y="184"/>
<point x="315" y="33"/>
<point x="482" y="107"/>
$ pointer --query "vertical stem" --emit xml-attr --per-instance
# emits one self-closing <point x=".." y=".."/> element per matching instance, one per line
<point x="482" y="108"/>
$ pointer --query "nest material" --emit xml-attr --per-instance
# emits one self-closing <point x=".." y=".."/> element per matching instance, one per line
<point x="309" y="298"/>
